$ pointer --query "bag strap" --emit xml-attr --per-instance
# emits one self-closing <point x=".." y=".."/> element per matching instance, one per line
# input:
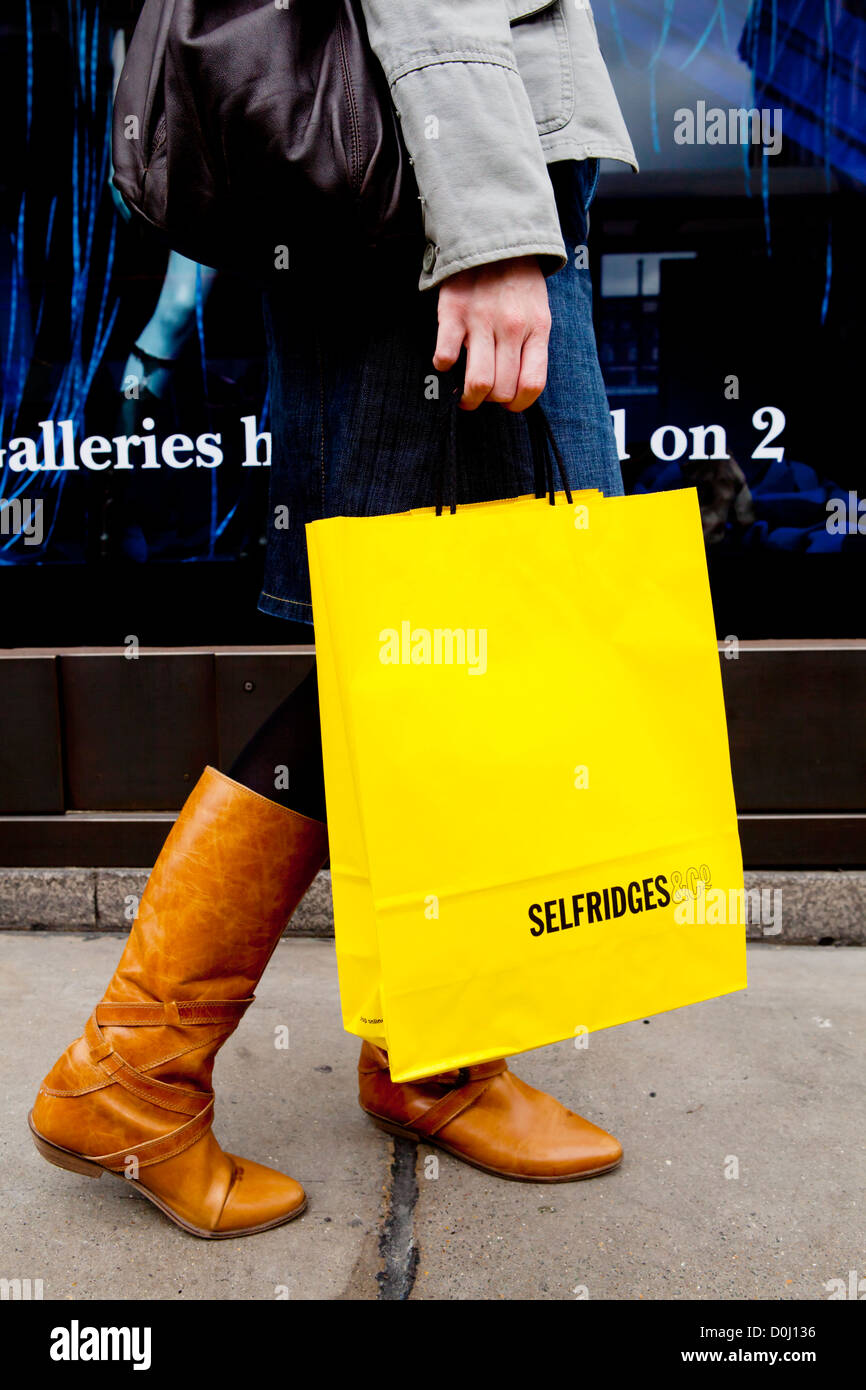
<point x="543" y="447"/>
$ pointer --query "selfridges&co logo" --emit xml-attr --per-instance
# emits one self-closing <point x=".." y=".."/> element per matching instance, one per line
<point x="558" y="914"/>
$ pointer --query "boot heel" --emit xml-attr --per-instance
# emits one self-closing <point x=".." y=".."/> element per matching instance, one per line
<point x="64" y="1158"/>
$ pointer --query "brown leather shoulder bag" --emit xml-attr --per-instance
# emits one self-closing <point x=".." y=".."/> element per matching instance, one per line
<point x="245" y="132"/>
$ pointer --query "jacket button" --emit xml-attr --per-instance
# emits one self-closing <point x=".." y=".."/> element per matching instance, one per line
<point x="429" y="257"/>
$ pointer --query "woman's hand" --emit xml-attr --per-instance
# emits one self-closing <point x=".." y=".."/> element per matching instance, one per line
<point x="500" y="313"/>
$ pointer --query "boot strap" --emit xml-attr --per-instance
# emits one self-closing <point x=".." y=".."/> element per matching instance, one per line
<point x="174" y="1012"/>
<point x="465" y="1085"/>
<point x="163" y="1094"/>
<point x="167" y="1146"/>
<point x="460" y="1097"/>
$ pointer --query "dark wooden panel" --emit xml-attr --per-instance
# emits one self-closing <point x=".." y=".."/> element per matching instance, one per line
<point x="803" y="842"/>
<point x="83" y="841"/>
<point x="123" y="840"/>
<point x="137" y="733"/>
<point x="31" y="771"/>
<point x="249" y="687"/>
<point x="796" y="726"/>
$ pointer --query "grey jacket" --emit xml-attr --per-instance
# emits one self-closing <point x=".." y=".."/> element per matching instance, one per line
<point x="487" y="92"/>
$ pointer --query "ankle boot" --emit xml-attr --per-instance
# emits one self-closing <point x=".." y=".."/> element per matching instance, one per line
<point x="487" y="1117"/>
<point x="133" y="1095"/>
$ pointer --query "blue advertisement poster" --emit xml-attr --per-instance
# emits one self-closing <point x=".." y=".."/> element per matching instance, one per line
<point x="134" y="423"/>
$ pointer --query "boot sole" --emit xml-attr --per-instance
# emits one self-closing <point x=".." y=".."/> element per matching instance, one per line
<point x="77" y="1163"/>
<point x="402" y="1133"/>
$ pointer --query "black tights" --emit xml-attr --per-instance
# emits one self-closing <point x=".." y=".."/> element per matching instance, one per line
<point x="283" y="759"/>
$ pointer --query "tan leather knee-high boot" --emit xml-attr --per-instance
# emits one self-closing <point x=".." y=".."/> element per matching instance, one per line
<point x="133" y="1096"/>
<point x="487" y="1116"/>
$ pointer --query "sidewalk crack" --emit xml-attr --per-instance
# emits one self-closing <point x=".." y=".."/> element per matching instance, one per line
<point x="397" y="1244"/>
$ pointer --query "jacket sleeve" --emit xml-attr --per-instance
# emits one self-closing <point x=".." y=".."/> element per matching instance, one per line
<point x="470" y="132"/>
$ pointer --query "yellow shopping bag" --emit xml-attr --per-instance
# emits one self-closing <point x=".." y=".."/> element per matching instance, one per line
<point x="530" y="811"/>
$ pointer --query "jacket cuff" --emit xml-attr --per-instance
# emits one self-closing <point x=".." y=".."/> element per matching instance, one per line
<point x="471" y="135"/>
<point x="550" y="259"/>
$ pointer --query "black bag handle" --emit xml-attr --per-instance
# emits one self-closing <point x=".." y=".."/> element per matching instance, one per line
<point x="544" y="449"/>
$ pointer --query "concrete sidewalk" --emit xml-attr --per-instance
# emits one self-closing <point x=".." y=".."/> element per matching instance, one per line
<point x="768" y="1084"/>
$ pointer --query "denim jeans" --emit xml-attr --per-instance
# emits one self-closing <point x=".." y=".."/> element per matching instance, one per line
<point x="355" y="429"/>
